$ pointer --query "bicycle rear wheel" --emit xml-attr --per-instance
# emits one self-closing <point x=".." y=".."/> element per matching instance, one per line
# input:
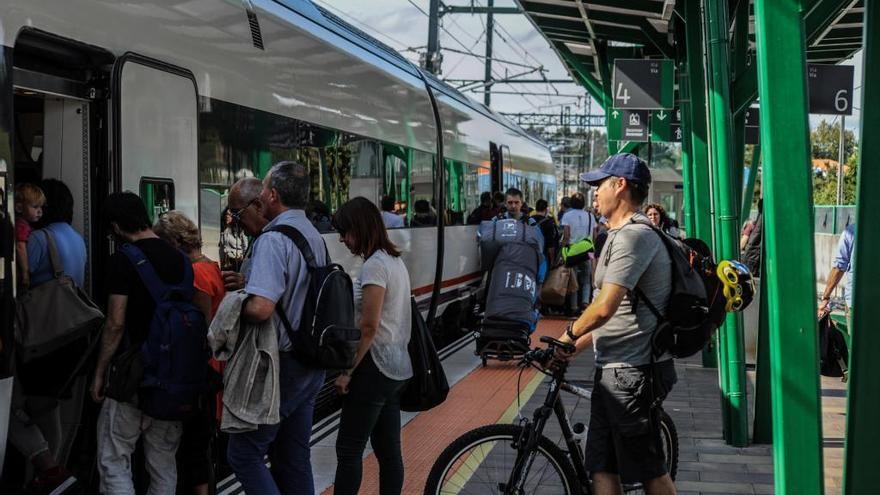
<point x="481" y="461"/>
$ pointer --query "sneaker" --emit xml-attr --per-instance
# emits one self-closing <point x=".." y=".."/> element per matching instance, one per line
<point x="54" y="481"/>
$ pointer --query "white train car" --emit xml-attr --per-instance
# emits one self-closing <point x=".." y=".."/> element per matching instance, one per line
<point x="177" y="99"/>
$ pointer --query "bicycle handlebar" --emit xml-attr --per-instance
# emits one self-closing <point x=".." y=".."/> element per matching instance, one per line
<point x="544" y="355"/>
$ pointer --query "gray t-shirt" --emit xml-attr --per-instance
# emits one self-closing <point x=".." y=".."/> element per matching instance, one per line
<point x="633" y="255"/>
<point x="390" y="345"/>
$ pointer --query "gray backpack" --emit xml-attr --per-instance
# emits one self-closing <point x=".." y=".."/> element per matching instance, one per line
<point x="513" y="285"/>
<point x="493" y="234"/>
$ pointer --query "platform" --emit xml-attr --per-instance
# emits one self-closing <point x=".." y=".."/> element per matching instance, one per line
<point x="484" y="395"/>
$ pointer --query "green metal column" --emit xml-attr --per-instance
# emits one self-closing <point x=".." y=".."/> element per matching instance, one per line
<point x="694" y="123"/>
<point x="739" y="56"/>
<point x="726" y="196"/>
<point x="788" y="240"/>
<point x="687" y="161"/>
<point x="862" y="432"/>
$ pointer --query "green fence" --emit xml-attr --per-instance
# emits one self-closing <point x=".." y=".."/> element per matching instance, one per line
<point x="833" y="219"/>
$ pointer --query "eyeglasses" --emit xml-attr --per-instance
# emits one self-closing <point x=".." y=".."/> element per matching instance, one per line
<point x="236" y="212"/>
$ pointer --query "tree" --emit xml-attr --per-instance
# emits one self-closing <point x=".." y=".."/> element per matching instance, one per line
<point x="825" y="141"/>
<point x="825" y="189"/>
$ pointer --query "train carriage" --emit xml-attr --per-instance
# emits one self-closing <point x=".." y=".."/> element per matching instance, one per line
<point x="175" y="100"/>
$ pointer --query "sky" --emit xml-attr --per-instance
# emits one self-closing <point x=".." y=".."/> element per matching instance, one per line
<point x="403" y="25"/>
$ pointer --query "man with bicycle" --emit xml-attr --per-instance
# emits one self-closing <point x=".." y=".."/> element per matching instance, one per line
<point x="624" y="444"/>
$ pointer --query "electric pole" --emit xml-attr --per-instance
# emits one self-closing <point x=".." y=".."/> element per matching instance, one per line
<point x="433" y="58"/>
<point x="487" y="75"/>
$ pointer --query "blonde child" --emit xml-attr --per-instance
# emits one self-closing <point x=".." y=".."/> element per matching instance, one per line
<point x="29" y="202"/>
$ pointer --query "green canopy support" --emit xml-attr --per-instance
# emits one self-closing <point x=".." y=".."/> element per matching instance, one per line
<point x="586" y="78"/>
<point x="687" y="159"/>
<point x="819" y="15"/>
<point x="740" y="57"/>
<point x="656" y="38"/>
<point x="745" y="89"/>
<point x="862" y="434"/>
<point x="695" y="126"/>
<point x="726" y="196"/>
<point x="788" y="240"/>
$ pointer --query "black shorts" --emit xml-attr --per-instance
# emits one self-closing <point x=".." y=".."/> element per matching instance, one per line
<point x="624" y="433"/>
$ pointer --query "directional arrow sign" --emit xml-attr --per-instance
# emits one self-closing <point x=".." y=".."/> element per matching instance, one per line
<point x="664" y="123"/>
<point x="643" y="84"/>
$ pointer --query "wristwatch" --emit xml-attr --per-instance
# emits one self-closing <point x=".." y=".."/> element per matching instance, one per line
<point x="570" y="334"/>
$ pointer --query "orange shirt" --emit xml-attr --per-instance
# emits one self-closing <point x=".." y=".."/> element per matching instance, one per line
<point x="207" y="278"/>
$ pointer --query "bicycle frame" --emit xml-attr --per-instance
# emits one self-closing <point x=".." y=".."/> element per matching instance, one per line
<point x="532" y="431"/>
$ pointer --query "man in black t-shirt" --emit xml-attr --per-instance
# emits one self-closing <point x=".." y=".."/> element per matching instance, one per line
<point x="130" y="310"/>
<point x="545" y="221"/>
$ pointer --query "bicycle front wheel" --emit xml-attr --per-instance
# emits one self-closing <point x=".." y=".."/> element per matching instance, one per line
<point x="480" y="463"/>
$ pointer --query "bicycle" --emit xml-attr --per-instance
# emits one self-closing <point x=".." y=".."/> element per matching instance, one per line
<point x="516" y="459"/>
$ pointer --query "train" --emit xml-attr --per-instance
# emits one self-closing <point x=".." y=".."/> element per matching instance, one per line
<point x="176" y="100"/>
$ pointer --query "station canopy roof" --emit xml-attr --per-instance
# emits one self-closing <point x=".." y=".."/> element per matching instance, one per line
<point x="579" y="29"/>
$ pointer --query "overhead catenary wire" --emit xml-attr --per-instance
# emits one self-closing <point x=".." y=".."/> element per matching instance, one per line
<point x="469" y="51"/>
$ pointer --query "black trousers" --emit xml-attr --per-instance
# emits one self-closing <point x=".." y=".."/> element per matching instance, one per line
<point x="370" y="410"/>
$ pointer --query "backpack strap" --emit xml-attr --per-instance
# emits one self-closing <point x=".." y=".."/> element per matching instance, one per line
<point x="301" y="243"/>
<point x="54" y="259"/>
<point x="156" y="287"/>
<point x="305" y="249"/>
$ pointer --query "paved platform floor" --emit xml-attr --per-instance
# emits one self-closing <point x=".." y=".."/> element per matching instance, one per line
<point x="706" y="465"/>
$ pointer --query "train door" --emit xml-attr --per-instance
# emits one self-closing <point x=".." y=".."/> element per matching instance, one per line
<point x="57" y="132"/>
<point x="155" y="134"/>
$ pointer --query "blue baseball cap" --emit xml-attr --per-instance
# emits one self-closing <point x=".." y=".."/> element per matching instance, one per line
<point x="626" y="165"/>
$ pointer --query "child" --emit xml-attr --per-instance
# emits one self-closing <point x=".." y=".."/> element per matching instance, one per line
<point x="29" y="201"/>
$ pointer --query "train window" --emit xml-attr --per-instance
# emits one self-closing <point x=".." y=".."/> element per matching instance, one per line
<point x="396" y="177"/>
<point x="424" y="208"/>
<point x="455" y="193"/>
<point x="157" y="195"/>
<point x="366" y="181"/>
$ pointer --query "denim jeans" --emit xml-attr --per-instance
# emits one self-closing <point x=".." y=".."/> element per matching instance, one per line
<point x="286" y="443"/>
<point x="119" y="427"/>
<point x="583" y="275"/>
<point x="370" y="411"/>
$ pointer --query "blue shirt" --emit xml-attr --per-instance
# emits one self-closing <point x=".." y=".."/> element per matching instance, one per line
<point x="843" y="261"/>
<point x="71" y="251"/>
<point x="277" y="270"/>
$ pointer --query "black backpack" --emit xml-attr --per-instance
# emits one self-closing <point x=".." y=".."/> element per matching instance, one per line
<point x="327" y="337"/>
<point x="428" y="386"/>
<point x="833" y="353"/>
<point x="696" y="304"/>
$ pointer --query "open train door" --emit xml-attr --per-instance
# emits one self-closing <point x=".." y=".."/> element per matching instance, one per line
<point x="155" y="134"/>
<point x="7" y="273"/>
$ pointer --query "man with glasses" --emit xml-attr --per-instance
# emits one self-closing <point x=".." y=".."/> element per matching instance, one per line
<point x="246" y="211"/>
<point x="623" y="443"/>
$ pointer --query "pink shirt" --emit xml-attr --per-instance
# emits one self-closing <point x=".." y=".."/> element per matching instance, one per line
<point x="23" y="229"/>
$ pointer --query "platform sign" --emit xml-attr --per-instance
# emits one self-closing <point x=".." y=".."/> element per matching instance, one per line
<point x="628" y="125"/>
<point x="753" y="131"/>
<point x="666" y="125"/>
<point x="830" y="88"/>
<point x="642" y="84"/>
